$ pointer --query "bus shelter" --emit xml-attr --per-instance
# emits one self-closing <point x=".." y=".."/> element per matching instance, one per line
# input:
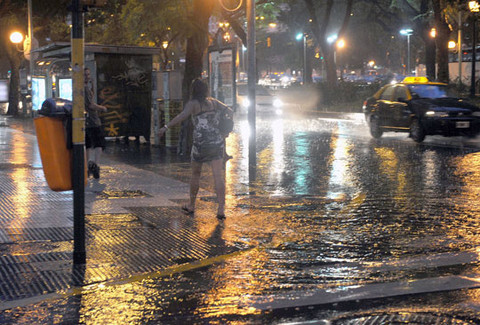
<point x="121" y="77"/>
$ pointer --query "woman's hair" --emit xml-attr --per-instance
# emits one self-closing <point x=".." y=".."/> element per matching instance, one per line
<point x="199" y="90"/>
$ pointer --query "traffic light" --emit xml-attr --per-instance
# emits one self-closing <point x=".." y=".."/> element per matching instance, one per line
<point x="269" y="42"/>
<point x="93" y="3"/>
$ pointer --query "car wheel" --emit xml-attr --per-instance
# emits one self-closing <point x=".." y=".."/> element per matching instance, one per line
<point x="417" y="133"/>
<point x="375" y="129"/>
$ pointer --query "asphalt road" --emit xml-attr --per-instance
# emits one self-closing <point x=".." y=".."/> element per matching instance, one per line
<point x="333" y="209"/>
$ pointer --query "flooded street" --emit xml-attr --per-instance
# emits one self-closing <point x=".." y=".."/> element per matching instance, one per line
<point x="338" y="228"/>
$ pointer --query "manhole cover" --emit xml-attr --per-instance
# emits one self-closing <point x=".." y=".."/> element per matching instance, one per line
<point x="126" y="194"/>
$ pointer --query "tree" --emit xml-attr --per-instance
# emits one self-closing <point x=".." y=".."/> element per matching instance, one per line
<point x="421" y="12"/>
<point x="13" y="15"/>
<point x="320" y="27"/>
<point x="441" y="40"/>
<point x="8" y="23"/>
<point x="197" y="43"/>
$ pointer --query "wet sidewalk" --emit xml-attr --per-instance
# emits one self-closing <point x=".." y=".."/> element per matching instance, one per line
<point x="134" y="224"/>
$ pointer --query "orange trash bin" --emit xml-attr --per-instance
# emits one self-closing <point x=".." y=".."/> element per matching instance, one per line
<point x="56" y="157"/>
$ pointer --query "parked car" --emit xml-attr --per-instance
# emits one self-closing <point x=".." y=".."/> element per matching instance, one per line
<point x="420" y="108"/>
<point x="266" y="101"/>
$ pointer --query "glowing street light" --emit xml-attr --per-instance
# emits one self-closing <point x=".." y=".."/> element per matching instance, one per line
<point x="340" y="44"/>
<point x="407" y="32"/>
<point x="474" y="6"/>
<point x="332" y="38"/>
<point x="16" y="37"/>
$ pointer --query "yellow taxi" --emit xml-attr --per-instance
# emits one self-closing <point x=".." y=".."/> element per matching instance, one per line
<point x="420" y="107"/>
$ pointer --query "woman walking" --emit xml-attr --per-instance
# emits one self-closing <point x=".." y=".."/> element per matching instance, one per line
<point x="208" y="141"/>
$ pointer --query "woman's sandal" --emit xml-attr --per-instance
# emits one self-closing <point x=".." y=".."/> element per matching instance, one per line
<point x="187" y="210"/>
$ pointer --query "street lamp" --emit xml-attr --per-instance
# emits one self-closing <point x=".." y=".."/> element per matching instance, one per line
<point x="16" y="37"/>
<point x="299" y="37"/>
<point x="407" y="32"/>
<point x="474" y="8"/>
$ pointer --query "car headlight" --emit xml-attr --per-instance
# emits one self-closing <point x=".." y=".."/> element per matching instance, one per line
<point x="277" y="103"/>
<point x="436" y="114"/>
<point x="476" y="113"/>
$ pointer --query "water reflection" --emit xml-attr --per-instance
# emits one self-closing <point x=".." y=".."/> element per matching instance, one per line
<point x="22" y="191"/>
<point x="340" y="180"/>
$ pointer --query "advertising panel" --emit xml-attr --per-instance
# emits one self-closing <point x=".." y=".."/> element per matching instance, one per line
<point x="39" y="92"/>
<point x="3" y="91"/>
<point x="124" y="86"/>
<point x="65" y="88"/>
<point x="222" y="75"/>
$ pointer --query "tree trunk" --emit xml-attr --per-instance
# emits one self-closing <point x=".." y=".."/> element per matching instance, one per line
<point x="430" y="53"/>
<point x="443" y="35"/>
<point x="14" y="89"/>
<point x="331" y="68"/>
<point x="197" y="43"/>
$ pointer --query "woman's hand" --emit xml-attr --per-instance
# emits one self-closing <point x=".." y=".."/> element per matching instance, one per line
<point x="162" y="131"/>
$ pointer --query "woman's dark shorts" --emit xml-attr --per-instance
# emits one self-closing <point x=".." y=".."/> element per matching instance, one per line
<point x="94" y="138"/>
<point x="208" y="152"/>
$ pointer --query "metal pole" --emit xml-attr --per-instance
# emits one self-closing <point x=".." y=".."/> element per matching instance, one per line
<point x="304" y="59"/>
<point x="252" y="147"/>
<point x="459" y="43"/>
<point x="408" y="54"/>
<point x="30" y="61"/>
<point x="78" y="135"/>
<point x="474" y="56"/>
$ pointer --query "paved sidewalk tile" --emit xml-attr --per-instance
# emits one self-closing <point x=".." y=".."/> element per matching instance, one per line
<point x="133" y="224"/>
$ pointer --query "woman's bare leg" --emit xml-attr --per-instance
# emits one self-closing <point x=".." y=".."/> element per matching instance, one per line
<point x="194" y="183"/>
<point x="218" y="177"/>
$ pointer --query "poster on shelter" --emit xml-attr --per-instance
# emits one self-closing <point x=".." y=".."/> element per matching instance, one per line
<point x="39" y="93"/>
<point x="222" y="75"/>
<point x="124" y="84"/>
<point x="3" y="91"/>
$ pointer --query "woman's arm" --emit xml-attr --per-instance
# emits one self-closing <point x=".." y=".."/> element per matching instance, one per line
<point x="97" y="107"/>
<point x="179" y="118"/>
<point x="224" y="107"/>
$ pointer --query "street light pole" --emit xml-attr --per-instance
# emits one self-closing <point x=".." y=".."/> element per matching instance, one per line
<point x="408" y="53"/>
<point x="303" y="37"/>
<point x="252" y="146"/>
<point x="340" y="44"/>
<point x="474" y="57"/>
<point x="474" y="8"/>
<point x="30" y="60"/>
<point x="304" y="58"/>
<point x="78" y="135"/>
<point x="407" y="32"/>
<point x="459" y="47"/>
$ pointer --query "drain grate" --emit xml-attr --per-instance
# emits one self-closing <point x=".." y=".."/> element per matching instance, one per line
<point x="403" y="317"/>
<point x="124" y="194"/>
<point x="52" y="234"/>
<point x="9" y="166"/>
